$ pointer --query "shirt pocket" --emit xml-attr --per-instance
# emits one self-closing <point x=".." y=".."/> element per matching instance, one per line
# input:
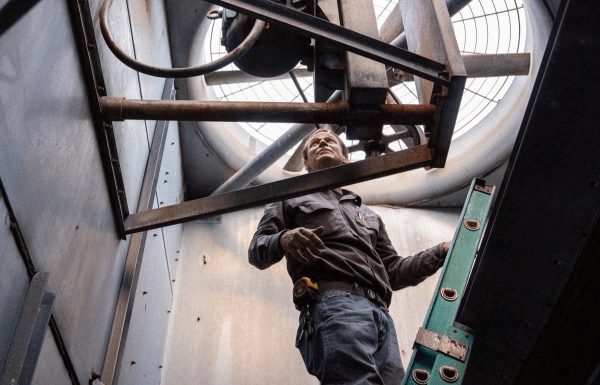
<point x="370" y="222"/>
<point x="369" y="225"/>
<point x="313" y="214"/>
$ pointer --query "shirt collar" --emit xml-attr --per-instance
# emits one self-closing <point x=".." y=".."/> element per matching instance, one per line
<point x="348" y="195"/>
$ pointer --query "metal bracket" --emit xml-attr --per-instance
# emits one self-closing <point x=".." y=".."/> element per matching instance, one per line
<point x="29" y="335"/>
<point x="442" y="343"/>
<point x="484" y="189"/>
<point x="83" y="29"/>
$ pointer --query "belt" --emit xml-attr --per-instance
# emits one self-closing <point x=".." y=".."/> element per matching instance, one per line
<point x="354" y="288"/>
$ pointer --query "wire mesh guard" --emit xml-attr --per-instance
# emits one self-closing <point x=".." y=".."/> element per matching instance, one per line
<point x="481" y="27"/>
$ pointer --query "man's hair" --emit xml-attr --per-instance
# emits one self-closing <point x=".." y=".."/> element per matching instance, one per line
<point x="318" y="131"/>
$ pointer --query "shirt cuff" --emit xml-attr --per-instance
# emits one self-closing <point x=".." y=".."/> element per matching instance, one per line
<point x="440" y="254"/>
<point x="276" y="248"/>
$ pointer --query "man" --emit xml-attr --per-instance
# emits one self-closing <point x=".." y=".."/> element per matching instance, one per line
<point x="346" y="334"/>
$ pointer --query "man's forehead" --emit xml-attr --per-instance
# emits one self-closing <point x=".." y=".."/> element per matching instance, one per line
<point x="320" y="135"/>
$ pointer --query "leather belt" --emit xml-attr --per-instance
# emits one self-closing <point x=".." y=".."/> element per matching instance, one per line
<point x="354" y="288"/>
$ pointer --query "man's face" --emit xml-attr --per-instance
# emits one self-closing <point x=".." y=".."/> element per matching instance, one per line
<point x="324" y="151"/>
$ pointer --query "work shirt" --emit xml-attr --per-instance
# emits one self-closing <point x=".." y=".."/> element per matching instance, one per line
<point x="357" y="246"/>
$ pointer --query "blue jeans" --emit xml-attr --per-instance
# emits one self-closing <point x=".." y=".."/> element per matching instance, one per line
<point x="354" y="341"/>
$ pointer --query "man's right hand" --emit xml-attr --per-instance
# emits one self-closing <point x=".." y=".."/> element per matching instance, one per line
<point x="304" y="244"/>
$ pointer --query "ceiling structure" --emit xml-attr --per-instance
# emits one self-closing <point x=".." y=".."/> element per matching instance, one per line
<point x="487" y="124"/>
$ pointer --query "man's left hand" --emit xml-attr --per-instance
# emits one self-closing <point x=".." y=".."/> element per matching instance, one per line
<point x="447" y="246"/>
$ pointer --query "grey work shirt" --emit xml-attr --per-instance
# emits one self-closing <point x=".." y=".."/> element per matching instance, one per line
<point x="357" y="246"/>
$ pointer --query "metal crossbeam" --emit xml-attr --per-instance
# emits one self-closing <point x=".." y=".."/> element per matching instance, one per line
<point x="334" y="177"/>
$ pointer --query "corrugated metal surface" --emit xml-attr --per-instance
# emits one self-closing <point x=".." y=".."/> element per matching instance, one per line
<point x="50" y="165"/>
<point x="235" y="324"/>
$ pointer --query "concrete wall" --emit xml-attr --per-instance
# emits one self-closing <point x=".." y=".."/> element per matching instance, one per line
<point x="234" y="324"/>
<point x="50" y="166"/>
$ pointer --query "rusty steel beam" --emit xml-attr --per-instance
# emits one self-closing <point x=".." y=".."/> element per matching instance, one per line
<point x="334" y="177"/>
<point x="91" y="68"/>
<point x="119" y="108"/>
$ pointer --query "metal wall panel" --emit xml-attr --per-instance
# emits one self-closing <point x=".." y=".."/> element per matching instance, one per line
<point x="14" y="283"/>
<point x="50" y="368"/>
<point x="233" y="323"/>
<point x="169" y="191"/>
<point x="132" y="140"/>
<point x="143" y="355"/>
<point x="52" y="172"/>
<point x="151" y="46"/>
<point x="144" y="347"/>
<point x="50" y="165"/>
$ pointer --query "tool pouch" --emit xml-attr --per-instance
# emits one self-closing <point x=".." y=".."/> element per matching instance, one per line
<point x="305" y="292"/>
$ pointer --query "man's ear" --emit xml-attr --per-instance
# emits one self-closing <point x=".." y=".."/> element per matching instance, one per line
<point x="306" y="165"/>
<point x="346" y="159"/>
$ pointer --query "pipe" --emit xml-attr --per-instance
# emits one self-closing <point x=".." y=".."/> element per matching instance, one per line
<point x="237" y="76"/>
<point x="266" y="158"/>
<point x="202" y="69"/>
<point x="119" y="109"/>
<point x="477" y="66"/>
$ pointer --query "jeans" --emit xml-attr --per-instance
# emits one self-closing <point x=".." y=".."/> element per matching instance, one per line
<point x="354" y="341"/>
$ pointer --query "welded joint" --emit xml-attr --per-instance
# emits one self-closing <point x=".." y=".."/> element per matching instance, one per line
<point x="112" y="108"/>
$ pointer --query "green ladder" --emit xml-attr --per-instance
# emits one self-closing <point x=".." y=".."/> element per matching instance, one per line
<point x="442" y="347"/>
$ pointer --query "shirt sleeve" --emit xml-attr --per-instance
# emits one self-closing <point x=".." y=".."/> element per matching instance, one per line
<point x="408" y="271"/>
<point x="265" y="249"/>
